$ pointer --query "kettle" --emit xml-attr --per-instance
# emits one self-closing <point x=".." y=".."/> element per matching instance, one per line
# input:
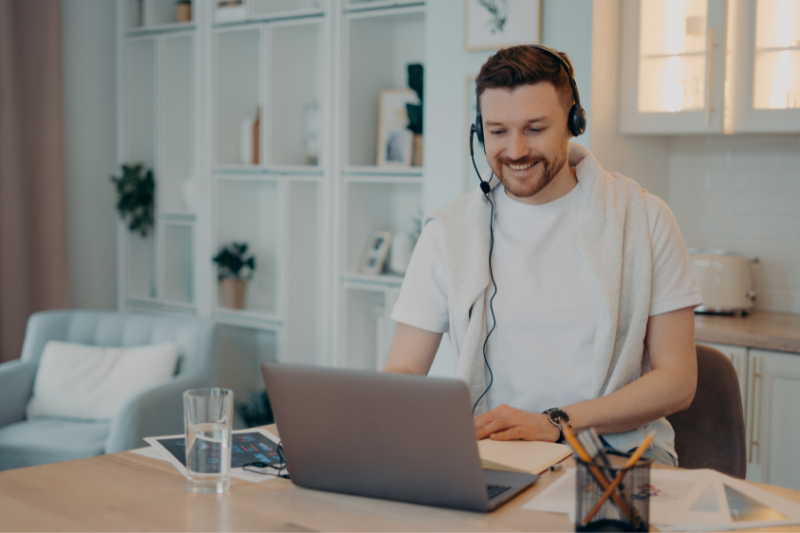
<point x="725" y="281"/>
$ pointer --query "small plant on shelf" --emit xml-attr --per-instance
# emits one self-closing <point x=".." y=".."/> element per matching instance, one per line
<point x="235" y="268"/>
<point x="135" y="195"/>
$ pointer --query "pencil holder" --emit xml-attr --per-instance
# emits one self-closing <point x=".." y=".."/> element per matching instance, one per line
<point x="625" y="508"/>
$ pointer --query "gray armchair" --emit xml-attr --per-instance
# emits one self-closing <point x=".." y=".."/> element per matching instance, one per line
<point x="156" y="411"/>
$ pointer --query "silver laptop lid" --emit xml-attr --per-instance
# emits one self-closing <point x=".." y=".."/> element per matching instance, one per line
<point x="390" y="436"/>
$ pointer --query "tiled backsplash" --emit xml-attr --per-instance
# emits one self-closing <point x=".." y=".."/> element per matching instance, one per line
<point x="742" y="193"/>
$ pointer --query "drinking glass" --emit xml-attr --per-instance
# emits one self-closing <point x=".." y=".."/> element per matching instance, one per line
<point x="208" y="418"/>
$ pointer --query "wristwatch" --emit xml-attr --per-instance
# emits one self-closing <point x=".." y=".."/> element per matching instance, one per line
<point x="557" y="417"/>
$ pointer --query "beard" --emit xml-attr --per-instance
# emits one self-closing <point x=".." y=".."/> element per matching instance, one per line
<point x="545" y="172"/>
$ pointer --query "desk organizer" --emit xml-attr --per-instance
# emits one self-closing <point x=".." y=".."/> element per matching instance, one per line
<point x="628" y="506"/>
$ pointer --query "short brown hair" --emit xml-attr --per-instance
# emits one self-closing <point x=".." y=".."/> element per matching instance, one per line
<point x="525" y="65"/>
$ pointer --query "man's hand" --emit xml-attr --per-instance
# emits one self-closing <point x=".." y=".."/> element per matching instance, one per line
<point x="507" y="423"/>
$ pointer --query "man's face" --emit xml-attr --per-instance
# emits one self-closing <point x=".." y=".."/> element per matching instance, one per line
<point x="526" y="136"/>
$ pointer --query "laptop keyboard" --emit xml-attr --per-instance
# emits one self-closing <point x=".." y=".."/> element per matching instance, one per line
<point x="496" y="490"/>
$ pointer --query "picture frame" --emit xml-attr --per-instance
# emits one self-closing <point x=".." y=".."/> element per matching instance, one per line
<point x="395" y="140"/>
<point x="470" y="111"/>
<point x="495" y="24"/>
<point x="375" y="255"/>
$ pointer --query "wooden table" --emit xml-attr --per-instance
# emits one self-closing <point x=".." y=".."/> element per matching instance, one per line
<point x="129" y="492"/>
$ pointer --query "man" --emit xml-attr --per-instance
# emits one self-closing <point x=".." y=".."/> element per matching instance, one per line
<point x="593" y="311"/>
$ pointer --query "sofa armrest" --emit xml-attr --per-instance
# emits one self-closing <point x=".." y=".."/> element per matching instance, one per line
<point x="16" y="387"/>
<point x="151" y="413"/>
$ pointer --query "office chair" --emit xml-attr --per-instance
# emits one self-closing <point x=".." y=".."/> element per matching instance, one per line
<point x="711" y="432"/>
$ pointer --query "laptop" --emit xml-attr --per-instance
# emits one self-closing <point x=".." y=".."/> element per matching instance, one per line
<point x="389" y="436"/>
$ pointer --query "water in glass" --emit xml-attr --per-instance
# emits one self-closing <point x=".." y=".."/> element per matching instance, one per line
<point x="208" y="456"/>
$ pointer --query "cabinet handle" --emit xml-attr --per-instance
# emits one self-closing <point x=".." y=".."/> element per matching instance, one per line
<point x="709" y="73"/>
<point x="756" y="397"/>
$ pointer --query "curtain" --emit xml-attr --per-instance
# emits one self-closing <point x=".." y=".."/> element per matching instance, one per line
<point x="33" y="213"/>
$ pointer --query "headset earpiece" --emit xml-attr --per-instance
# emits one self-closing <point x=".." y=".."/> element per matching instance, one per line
<point x="577" y="120"/>
<point x="479" y="127"/>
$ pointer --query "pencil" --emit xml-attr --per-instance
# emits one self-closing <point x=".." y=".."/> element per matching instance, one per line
<point x="601" y="479"/>
<point x="648" y="440"/>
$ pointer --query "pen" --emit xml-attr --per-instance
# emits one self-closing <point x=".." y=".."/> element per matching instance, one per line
<point x="556" y="467"/>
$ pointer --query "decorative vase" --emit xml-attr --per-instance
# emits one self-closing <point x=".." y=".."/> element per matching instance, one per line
<point x="400" y="252"/>
<point x="417" y="162"/>
<point x="233" y="292"/>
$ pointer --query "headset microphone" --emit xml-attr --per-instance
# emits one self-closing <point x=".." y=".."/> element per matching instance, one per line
<point x="484" y="184"/>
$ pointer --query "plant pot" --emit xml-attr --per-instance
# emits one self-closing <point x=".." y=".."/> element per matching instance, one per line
<point x="183" y="12"/>
<point x="233" y="292"/>
<point x="417" y="162"/>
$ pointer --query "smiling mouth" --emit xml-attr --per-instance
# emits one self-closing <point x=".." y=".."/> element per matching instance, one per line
<point x="521" y="167"/>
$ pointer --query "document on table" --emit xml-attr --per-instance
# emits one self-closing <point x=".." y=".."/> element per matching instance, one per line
<point x="521" y="456"/>
<point x="729" y="503"/>
<point x="170" y="448"/>
<point x="671" y="492"/>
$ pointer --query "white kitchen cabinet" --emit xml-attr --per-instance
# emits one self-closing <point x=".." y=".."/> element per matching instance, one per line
<point x="738" y="356"/>
<point x="673" y="69"/>
<point x="710" y="66"/>
<point x="773" y="418"/>
<point x="765" y="76"/>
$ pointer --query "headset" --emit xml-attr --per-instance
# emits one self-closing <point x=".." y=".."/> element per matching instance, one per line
<point x="576" y="122"/>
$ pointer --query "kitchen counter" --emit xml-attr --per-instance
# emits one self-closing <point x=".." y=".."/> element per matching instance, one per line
<point x="759" y="329"/>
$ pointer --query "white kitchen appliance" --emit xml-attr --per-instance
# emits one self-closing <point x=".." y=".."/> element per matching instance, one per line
<point x="725" y="281"/>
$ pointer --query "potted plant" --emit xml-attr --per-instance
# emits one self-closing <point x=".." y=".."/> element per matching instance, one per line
<point x="235" y="268"/>
<point x="135" y="195"/>
<point x="183" y="11"/>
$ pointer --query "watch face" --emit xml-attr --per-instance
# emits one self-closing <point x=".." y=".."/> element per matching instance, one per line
<point x="558" y="416"/>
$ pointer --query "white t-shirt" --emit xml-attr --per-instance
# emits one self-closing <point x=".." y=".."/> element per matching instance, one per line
<point x="547" y="306"/>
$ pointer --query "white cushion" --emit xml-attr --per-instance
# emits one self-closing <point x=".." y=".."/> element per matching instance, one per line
<point x="90" y="382"/>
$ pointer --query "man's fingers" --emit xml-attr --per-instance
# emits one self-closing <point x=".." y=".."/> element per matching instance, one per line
<point x="514" y="433"/>
<point x="486" y="418"/>
<point x="494" y="426"/>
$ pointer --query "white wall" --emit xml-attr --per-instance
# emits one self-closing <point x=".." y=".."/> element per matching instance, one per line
<point x="566" y="26"/>
<point x="742" y="193"/>
<point x="89" y="131"/>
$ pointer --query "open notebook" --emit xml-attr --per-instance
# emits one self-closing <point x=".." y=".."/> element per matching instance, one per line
<point x="521" y="456"/>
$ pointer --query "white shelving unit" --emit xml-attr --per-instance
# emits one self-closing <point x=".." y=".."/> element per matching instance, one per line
<point x="159" y="105"/>
<point x="378" y="40"/>
<point x="313" y="71"/>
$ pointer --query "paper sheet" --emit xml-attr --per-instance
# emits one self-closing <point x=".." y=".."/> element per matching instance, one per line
<point x="157" y="451"/>
<point x="730" y="503"/>
<point x="672" y="493"/>
<point x="525" y="456"/>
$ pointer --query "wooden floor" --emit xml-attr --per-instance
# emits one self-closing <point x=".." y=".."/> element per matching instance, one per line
<point x="130" y="492"/>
